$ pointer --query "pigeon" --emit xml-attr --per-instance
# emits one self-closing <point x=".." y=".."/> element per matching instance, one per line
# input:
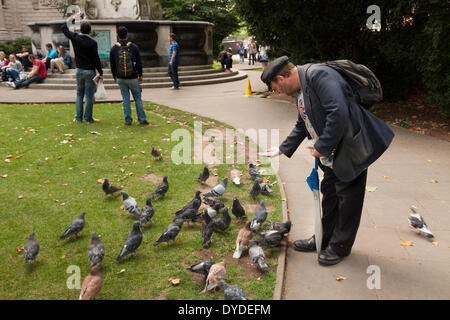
<point x="108" y="188"/>
<point x="258" y="257"/>
<point x="130" y="205"/>
<point x="161" y="190"/>
<point x="31" y="249"/>
<point x="132" y="242"/>
<point x="156" y="153"/>
<point x="201" y="267"/>
<point x="218" y="190"/>
<point x="96" y="250"/>
<point x="216" y="273"/>
<point x="147" y="213"/>
<point x="204" y="175"/>
<point x="235" y="175"/>
<point x="207" y="230"/>
<point x="259" y="217"/>
<point x="215" y="204"/>
<point x="237" y="209"/>
<point x="222" y="223"/>
<point x="233" y="291"/>
<point x="170" y="233"/>
<point x="92" y="284"/>
<point x="195" y="204"/>
<point x="255" y="191"/>
<point x="283" y="227"/>
<point x="254" y="172"/>
<point x="188" y="215"/>
<point x="75" y="227"/>
<point x="418" y="225"/>
<point x="244" y="236"/>
<point x="265" y="189"/>
<point x="271" y="238"/>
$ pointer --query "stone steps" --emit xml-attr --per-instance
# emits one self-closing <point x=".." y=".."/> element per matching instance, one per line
<point x="164" y="83"/>
<point x="153" y="78"/>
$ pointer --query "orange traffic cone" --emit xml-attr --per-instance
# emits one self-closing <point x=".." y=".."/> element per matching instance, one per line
<point x="248" y="91"/>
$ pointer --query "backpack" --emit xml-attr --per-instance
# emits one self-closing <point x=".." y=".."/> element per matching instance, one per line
<point x="124" y="62"/>
<point x="365" y="84"/>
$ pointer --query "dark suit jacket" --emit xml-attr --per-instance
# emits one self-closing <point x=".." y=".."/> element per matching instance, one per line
<point x="352" y="134"/>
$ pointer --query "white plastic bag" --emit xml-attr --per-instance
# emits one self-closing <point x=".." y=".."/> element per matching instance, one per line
<point x="101" y="92"/>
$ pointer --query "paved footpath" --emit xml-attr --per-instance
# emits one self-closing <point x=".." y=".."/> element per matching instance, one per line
<point x="402" y="177"/>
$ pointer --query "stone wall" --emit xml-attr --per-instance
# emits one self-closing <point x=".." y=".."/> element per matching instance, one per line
<point x="15" y="14"/>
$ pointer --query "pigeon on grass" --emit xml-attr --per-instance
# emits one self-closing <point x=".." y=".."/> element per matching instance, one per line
<point x="232" y="291"/>
<point x="218" y="190"/>
<point x="216" y="273"/>
<point x="244" y="236"/>
<point x="96" y="250"/>
<point x="92" y="284"/>
<point x="201" y="267"/>
<point x="156" y="153"/>
<point x="222" y="223"/>
<point x="132" y="242"/>
<point x="130" y="205"/>
<point x="258" y="257"/>
<point x="170" y="233"/>
<point x="109" y="188"/>
<point x="204" y="175"/>
<point x="259" y="217"/>
<point x="31" y="249"/>
<point x="255" y="191"/>
<point x="207" y="230"/>
<point x="161" y="190"/>
<point x="75" y="227"/>
<point x="237" y="209"/>
<point x="147" y="213"/>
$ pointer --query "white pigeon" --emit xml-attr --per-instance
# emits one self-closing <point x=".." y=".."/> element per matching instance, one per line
<point x="417" y="224"/>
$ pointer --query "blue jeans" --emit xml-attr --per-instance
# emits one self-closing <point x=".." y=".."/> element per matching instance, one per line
<point x="25" y="83"/>
<point x="173" y="74"/>
<point x="85" y="88"/>
<point x="10" y="72"/>
<point x="127" y="85"/>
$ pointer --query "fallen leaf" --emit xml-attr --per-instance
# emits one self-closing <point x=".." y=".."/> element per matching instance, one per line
<point x="435" y="243"/>
<point x="62" y="204"/>
<point x="47" y="159"/>
<point x="4" y="175"/>
<point x="114" y="148"/>
<point x="341" y="278"/>
<point x="100" y="181"/>
<point x="174" y="281"/>
<point x="81" y="192"/>
<point x="19" y="250"/>
<point x="433" y="181"/>
<point x="63" y="256"/>
<point x="407" y="243"/>
<point x="97" y="133"/>
<point x="122" y="207"/>
<point x="83" y="172"/>
<point x="9" y="156"/>
<point x="371" y="189"/>
<point x="64" y="185"/>
<point x="21" y="196"/>
<point x="47" y="181"/>
<point x="124" y="157"/>
<point x="122" y="170"/>
<point x="7" y="160"/>
<point x="121" y="271"/>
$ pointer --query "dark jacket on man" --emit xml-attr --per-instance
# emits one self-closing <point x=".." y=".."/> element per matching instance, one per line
<point x="137" y="61"/>
<point x="86" y="50"/>
<point x="352" y="134"/>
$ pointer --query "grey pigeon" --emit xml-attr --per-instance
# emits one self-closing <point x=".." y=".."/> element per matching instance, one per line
<point x="222" y="223"/>
<point x="218" y="190"/>
<point x="108" y="188"/>
<point x="233" y="291"/>
<point x="418" y="225"/>
<point x="130" y="205"/>
<point x="204" y="175"/>
<point x="96" y="250"/>
<point x="31" y="249"/>
<point x="132" y="242"/>
<point x="147" y="213"/>
<point x="237" y="209"/>
<point x="161" y="190"/>
<point x="201" y="267"/>
<point x="259" y="217"/>
<point x="265" y="189"/>
<point x="283" y="227"/>
<point x="156" y="153"/>
<point x="195" y="204"/>
<point x="254" y="172"/>
<point x="170" y="233"/>
<point x="75" y="227"/>
<point x="271" y="238"/>
<point x="215" y="204"/>
<point x="207" y="230"/>
<point x="188" y="215"/>
<point x="257" y="255"/>
<point x="256" y="190"/>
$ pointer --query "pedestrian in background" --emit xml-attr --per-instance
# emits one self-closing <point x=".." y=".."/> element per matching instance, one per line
<point x="87" y="61"/>
<point x="174" y="51"/>
<point x="126" y="68"/>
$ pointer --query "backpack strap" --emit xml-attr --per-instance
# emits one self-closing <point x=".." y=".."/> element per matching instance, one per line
<point x="118" y="44"/>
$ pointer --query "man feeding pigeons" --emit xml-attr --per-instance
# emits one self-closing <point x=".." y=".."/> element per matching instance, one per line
<point x="343" y="135"/>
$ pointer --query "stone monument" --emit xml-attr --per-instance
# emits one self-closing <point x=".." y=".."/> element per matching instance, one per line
<point x="142" y="18"/>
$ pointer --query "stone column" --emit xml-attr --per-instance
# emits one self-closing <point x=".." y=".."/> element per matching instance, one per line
<point x="163" y="44"/>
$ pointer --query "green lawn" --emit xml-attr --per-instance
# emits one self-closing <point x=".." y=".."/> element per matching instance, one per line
<point x="49" y="183"/>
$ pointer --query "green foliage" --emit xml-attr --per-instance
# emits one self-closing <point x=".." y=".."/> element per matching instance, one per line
<point x="15" y="46"/>
<point x="218" y="12"/>
<point x="411" y="47"/>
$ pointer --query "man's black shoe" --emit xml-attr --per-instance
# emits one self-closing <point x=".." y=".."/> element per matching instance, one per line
<point x="307" y="245"/>
<point x="144" y="123"/>
<point x="328" y="257"/>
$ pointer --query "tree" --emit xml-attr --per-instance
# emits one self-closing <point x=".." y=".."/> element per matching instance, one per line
<point x="401" y="54"/>
<point x="219" y="12"/>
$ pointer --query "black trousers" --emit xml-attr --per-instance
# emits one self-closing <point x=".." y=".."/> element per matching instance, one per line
<point x="342" y="204"/>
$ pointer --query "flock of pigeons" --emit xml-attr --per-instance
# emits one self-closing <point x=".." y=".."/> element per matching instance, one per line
<point x="215" y="218"/>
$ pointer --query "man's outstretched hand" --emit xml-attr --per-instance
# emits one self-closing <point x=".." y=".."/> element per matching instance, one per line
<point x="270" y="153"/>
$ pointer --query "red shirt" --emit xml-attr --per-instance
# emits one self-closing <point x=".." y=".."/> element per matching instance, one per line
<point x="42" y="72"/>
